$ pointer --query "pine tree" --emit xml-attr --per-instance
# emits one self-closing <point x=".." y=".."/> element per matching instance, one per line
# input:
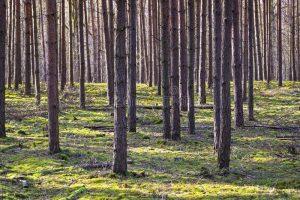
<point x="2" y="66"/>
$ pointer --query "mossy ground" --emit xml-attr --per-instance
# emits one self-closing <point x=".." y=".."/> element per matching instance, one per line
<point x="262" y="166"/>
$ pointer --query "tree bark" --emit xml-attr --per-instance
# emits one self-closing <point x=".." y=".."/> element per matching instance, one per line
<point x="165" y="38"/>
<point x="120" y="140"/>
<point x="2" y="66"/>
<point x="237" y="69"/>
<point x="71" y="64"/>
<point x="28" y="21"/>
<point x="175" y="72"/>
<point x="251" y="50"/>
<point x="88" y="57"/>
<point x="217" y="71"/>
<point x="18" y="56"/>
<point x="82" y="57"/>
<point x="63" y="74"/>
<point x="53" y="104"/>
<point x="225" y="132"/>
<point x="203" y="55"/>
<point x="37" y="63"/>
<point x="191" y="67"/>
<point x="259" y="56"/>
<point x="245" y="56"/>
<point x="279" y="41"/>
<point x="132" y="68"/>
<point x="183" y="57"/>
<point x="210" y="46"/>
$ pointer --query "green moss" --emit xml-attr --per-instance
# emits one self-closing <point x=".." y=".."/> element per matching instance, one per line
<point x="261" y="166"/>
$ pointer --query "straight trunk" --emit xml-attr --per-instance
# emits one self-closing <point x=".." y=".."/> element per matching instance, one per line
<point x="225" y="132"/>
<point x="88" y="57"/>
<point x="18" y="56"/>
<point x="191" y="67"/>
<point x="71" y="64"/>
<point x="53" y="104"/>
<point x="120" y="138"/>
<point x="259" y="56"/>
<point x="2" y="66"/>
<point x="63" y="74"/>
<point x="210" y="45"/>
<point x="82" y="57"/>
<point x="203" y="55"/>
<point x="245" y="58"/>
<point x="183" y="57"/>
<point x="28" y="22"/>
<point x="279" y="41"/>
<point x="165" y="38"/>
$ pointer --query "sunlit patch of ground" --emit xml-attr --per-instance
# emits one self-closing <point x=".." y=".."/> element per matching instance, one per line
<point x="263" y="166"/>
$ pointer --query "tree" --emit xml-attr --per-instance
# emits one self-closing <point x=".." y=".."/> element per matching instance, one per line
<point x="63" y="74"/>
<point x="270" y="42"/>
<point x="2" y="66"/>
<point x="120" y="140"/>
<point x="245" y="51"/>
<point x="251" y="49"/>
<point x="260" y="65"/>
<point x="237" y="69"/>
<point x="88" y="57"/>
<point x="53" y="104"/>
<point x="36" y="53"/>
<point x="132" y="69"/>
<point x="191" y="67"/>
<point x="279" y="41"/>
<point x="28" y="22"/>
<point x="203" y="55"/>
<point x="82" y="57"/>
<point x="18" y="56"/>
<point x="175" y="72"/>
<point x="217" y="70"/>
<point x="183" y="57"/>
<point x="165" y="38"/>
<point x="210" y="46"/>
<point x="225" y="132"/>
<point x="110" y="68"/>
<point x="71" y="66"/>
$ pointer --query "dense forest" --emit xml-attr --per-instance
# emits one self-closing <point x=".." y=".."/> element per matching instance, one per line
<point x="149" y="99"/>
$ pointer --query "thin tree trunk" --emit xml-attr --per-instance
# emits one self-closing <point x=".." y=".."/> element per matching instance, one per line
<point x="43" y="41"/>
<point x="132" y="68"/>
<point x="96" y="77"/>
<point x="191" y="67"/>
<point x="88" y="57"/>
<point x="251" y="50"/>
<point x="120" y="140"/>
<point x="225" y="132"/>
<point x="183" y="57"/>
<point x="245" y="58"/>
<point x="18" y="56"/>
<point x="237" y="69"/>
<point x="2" y="66"/>
<point x="53" y="104"/>
<point x="203" y="55"/>
<point x="198" y="45"/>
<point x="270" y="47"/>
<point x="217" y="71"/>
<point x="82" y="57"/>
<point x="110" y="69"/>
<point x="71" y="64"/>
<point x="175" y="72"/>
<point x="165" y="7"/>
<point x="37" y="63"/>
<point x="259" y="56"/>
<point x="265" y="12"/>
<point x="210" y="45"/>
<point x="63" y="74"/>
<point x="279" y="41"/>
<point x="150" y="42"/>
<point x="10" y="35"/>
<point x="28" y="21"/>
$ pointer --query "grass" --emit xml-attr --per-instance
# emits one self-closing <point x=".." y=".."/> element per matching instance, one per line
<point x="262" y="165"/>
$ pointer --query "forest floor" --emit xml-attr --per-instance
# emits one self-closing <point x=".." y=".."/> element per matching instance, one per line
<point x="265" y="160"/>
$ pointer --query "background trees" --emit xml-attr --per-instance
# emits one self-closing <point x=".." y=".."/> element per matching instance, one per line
<point x="2" y="66"/>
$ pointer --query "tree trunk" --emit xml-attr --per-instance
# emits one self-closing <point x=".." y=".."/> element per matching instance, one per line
<point x="251" y="50"/>
<point x="225" y="132"/>
<point x="265" y="12"/>
<point x="270" y="47"/>
<point x="210" y="46"/>
<point x="82" y="57"/>
<point x="88" y="57"/>
<point x="71" y="64"/>
<point x="120" y="140"/>
<point x="175" y="72"/>
<point x="132" y="68"/>
<point x="96" y="77"/>
<point x="198" y="45"/>
<point x="63" y="74"/>
<point x="191" y="67"/>
<point x="217" y="71"/>
<point x="37" y="63"/>
<point x="260" y="65"/>
<point x="28" y="21"/>
<point x="245" y="57"/>
<point x="165" y="38"/>
<point x="150" y="42"/>
<point x="53" y="104"/>
<point x="203" y="55"/>
<point x="183" y="57"/>
<point x="2" y="66"/>
<point x="110" y="69"/>
<point x="279" y="41"/>
<point x="9" y="50"/>
<point x="237" y="69"/>
<point x="18" y="56"/>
